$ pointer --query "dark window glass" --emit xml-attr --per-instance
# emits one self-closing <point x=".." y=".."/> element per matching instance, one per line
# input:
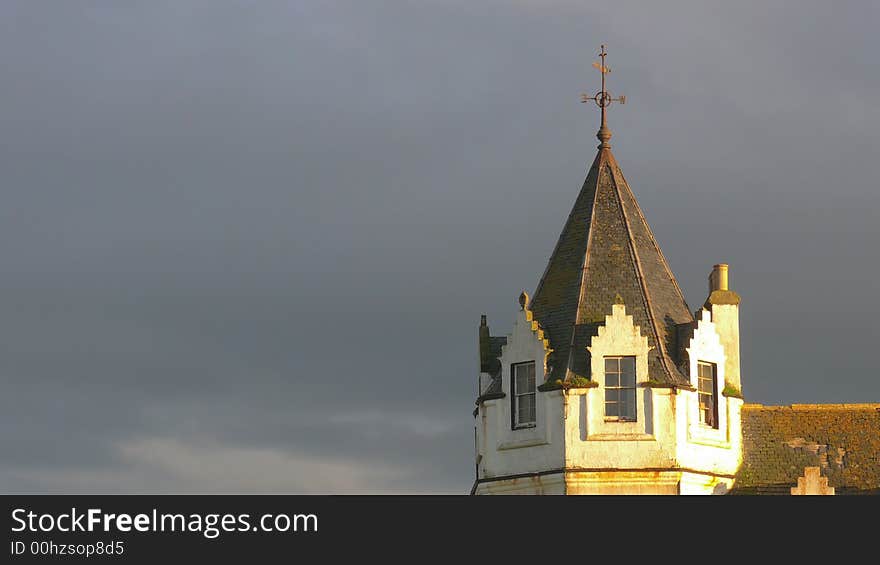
<point x="620" y="388"/>
<point x="707" y="392"/>
<point x="522" y="397"/>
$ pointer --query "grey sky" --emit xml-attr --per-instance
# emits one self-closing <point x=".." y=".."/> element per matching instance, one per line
<point x="244" y="246"/>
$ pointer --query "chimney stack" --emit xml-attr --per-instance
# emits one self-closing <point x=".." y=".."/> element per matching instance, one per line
<point x="485" y="355"/>
<point x="724" y="305"/>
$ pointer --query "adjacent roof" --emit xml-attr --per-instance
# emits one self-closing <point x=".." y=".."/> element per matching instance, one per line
<point x="779" y="441"/>
<point x="490" y="349"/>
<point x="607" y="254"/>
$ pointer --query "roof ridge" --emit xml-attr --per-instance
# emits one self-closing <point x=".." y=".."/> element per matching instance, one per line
<point x="585" y="265"/>
<point x="646" y="298"/>
<point x="567" y="220"/>
<point x="817" y="406"/>
<point x="644" y="220"/>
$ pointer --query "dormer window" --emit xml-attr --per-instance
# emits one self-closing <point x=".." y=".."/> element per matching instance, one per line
<point x="707" y="391"/>
<point x="522" y="397"/>
<point x="620" y="389"/>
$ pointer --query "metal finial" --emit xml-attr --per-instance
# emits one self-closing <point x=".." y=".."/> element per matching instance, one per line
<point x="603" y="99"/>
<point x="523" y="300"/>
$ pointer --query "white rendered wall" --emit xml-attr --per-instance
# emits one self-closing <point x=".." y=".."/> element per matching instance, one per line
<point x="591" y="441"/>
<point x="726" y="320"/>
<point x="504" y="451"/>
<point x="701" y="447"/>
<point x="665" y="451"/>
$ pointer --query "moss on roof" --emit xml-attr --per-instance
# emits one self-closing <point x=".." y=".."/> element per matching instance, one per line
<point x="779" y="441"/>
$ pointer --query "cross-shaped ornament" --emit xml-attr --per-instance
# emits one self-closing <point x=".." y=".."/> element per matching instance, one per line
<point x="603" y="99"/>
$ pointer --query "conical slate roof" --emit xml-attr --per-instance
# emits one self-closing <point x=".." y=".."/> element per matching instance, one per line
<point x="607" y="254"/>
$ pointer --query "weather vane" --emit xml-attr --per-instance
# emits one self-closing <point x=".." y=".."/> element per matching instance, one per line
<point x="603" y="99"/>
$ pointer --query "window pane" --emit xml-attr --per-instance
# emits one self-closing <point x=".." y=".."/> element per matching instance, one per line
<point x="710" y="411"/>
<point x="522" y="382"/>
<point x="628" y="404"/>
<point x="611" y="365"/>
<point x="707" y="409"/>
<point x="611" y="410"/>
<point x="525" y="413"/>
<point x="620" y="387"/>
<point x="523" y="395"/>
<point x="707" y="415"/>
<point x="628" y="366"/>
<point x="612" y="379"/>
<point x="531" y="411"/>
<point x="707" y="393"/>
<point x="524" y="378"/>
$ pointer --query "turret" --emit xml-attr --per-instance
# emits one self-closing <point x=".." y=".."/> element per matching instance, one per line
<point x="607" y="383"/>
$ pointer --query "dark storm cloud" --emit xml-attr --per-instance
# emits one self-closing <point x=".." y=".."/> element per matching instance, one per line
<point x="245" y="246"/>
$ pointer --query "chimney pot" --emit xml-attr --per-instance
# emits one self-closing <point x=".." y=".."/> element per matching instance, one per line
<point x="718" y="278"/>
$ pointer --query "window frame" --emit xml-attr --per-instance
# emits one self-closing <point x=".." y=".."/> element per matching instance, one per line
<point x="515" y="396"/>
<point x="715" y="424"/>
<point x="632" y="390"/>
